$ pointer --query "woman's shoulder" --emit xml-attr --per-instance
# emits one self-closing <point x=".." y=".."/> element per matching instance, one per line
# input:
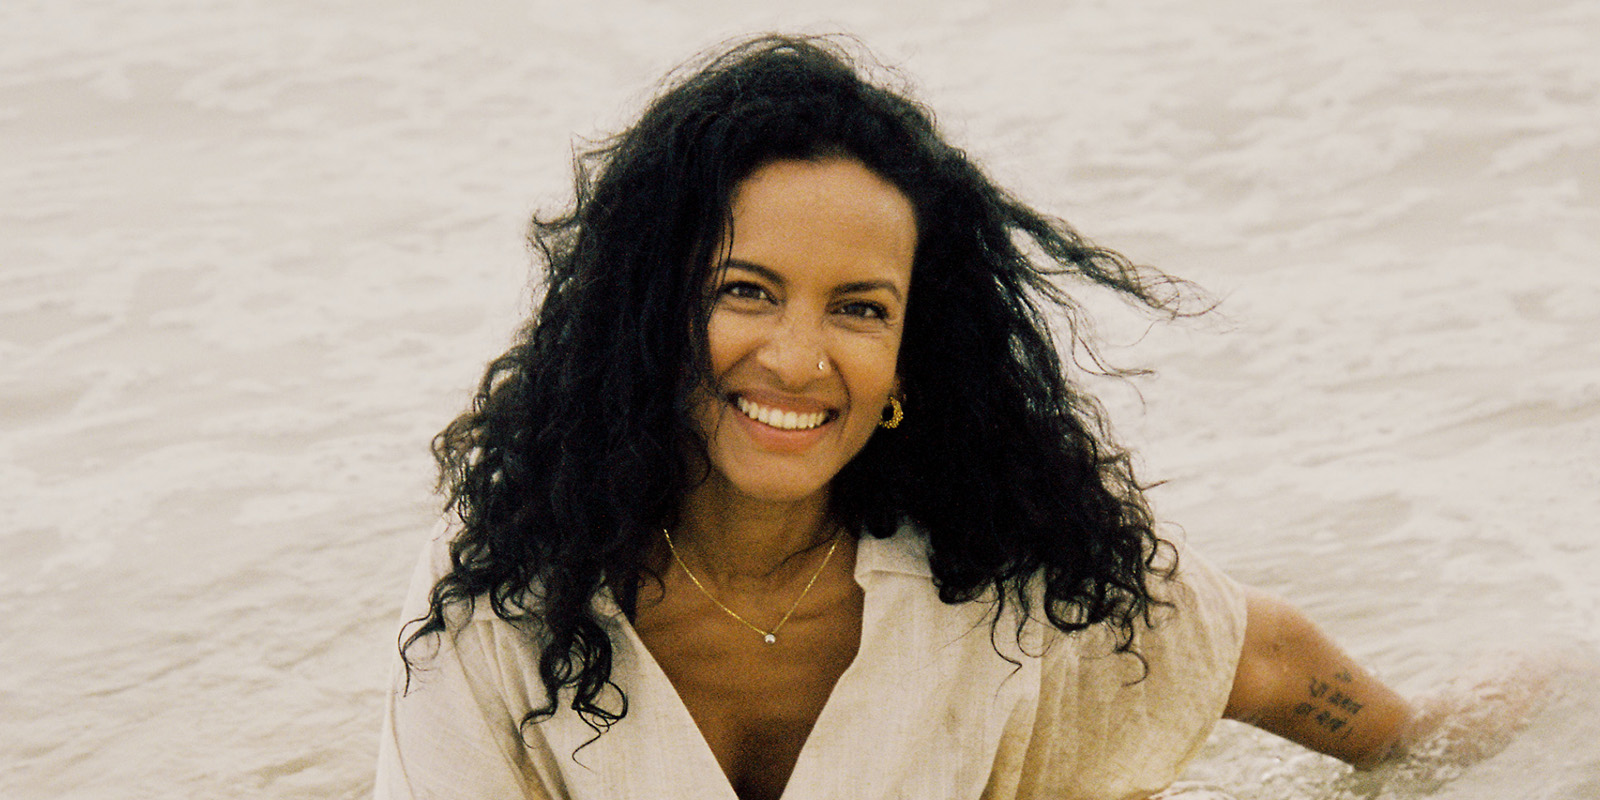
<point x="1179" y="579"/>
<point x="1194" y="618"/>
<point x="905" y="552"/>
<point x="1188" y="642"/>
<point x="488" y="649"/>
<point x="1153" y="706"/>
<point x="461" y="610"/>
<point x="1187" y="585"/>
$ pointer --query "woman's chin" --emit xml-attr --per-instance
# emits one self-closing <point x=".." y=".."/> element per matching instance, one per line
<point x="770" y="488"/>
<point x="784" y="494"/>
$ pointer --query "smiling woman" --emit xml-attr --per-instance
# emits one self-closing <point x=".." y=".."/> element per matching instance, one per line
<point x="804" y="335"/>
<point x="784" y="492"/>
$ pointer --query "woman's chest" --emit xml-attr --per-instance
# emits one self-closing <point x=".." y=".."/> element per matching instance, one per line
<point x="755" y="704"/>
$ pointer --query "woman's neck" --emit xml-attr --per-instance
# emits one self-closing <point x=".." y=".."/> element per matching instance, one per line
<point x="734" y="540"/>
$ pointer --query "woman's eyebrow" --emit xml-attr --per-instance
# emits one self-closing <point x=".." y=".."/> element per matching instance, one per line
<point x="867" y="286"/>
<point x="734" y="263"/>
<point x="853" y="286"/>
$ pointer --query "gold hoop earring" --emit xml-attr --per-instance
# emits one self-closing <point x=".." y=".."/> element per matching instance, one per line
<point x="896" y="414"/>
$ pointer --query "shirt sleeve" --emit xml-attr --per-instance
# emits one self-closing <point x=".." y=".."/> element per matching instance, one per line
<point x="454" y="731"/>
<point x="1108" y="725"/>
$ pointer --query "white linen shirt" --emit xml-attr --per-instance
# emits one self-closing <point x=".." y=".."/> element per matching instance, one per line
<point x="927" y="710"/>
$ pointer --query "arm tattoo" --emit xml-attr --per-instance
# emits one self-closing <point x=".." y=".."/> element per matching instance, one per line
<point x="1329" y="707"/>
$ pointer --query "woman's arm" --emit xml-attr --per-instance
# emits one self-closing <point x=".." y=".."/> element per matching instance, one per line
<point x="1293" y="681"/>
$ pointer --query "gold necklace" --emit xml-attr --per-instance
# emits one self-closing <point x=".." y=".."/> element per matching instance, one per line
<point x="770" y="636"/>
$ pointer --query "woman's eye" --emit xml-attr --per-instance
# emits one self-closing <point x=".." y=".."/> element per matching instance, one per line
<point x="744" y="290"/>
<point x="864" y="310"/>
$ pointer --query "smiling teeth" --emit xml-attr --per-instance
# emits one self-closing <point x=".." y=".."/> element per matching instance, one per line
<point x="785" y="420"/>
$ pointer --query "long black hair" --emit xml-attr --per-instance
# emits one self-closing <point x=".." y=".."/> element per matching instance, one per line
<point x="572" y="455"/>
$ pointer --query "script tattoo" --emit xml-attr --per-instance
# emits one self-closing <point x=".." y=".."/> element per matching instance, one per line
<point x="1329" y="706"/>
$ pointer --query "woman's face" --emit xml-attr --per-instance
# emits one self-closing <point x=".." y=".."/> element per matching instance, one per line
<point x="805" y="325"/>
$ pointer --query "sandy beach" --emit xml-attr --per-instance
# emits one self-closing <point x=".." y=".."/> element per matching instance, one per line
<point x="254" y="254"/>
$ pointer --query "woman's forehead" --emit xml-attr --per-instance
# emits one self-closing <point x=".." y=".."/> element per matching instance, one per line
<point x="828" y="213"/>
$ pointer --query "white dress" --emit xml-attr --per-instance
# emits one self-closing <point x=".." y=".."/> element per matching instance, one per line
<point x="927" y="710"/>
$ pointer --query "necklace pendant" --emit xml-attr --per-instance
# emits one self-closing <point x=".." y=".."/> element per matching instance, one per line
<point x="770" y="639"/>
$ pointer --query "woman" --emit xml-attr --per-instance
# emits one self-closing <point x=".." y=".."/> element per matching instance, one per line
<point x="784" y="491"/>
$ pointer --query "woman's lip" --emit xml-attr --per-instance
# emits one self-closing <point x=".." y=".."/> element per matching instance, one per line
<point x="781" y="440"/>
<point x="786" y="420"/>
<point x="799" y="405"/>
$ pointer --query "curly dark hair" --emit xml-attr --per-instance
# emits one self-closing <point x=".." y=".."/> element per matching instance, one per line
<point x="572" y="458"/>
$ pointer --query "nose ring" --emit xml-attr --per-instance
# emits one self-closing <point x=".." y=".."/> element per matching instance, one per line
<point x="822" y="365"/>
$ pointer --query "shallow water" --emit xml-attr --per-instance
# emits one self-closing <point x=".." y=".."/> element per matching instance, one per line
<point x="253" y="254"/>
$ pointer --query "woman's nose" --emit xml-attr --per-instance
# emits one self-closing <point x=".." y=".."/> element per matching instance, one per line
<point x="794" y="350"/>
